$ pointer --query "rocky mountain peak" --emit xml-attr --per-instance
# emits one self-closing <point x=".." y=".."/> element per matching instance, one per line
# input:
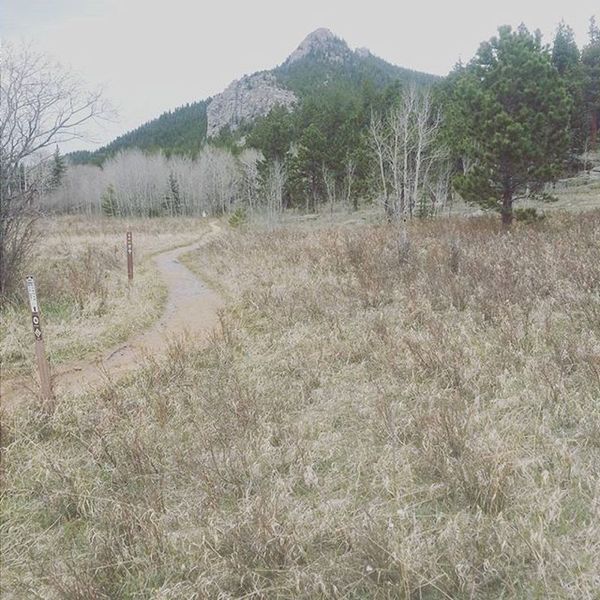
<point x="255" y="95"/>
<point x="322" y="41"/>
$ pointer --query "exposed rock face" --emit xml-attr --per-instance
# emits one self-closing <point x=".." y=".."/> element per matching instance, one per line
<point x="322" y="41"/>
<point x="246" y="99"/>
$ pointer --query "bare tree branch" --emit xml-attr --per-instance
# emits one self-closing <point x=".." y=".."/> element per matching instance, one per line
<point x="41" y="104"/>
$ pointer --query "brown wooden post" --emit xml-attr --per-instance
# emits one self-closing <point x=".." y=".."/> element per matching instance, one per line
<point x="40" y="352"/>
<point x="129" y="257"/>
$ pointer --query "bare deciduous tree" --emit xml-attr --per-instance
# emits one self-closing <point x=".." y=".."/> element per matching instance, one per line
<point x="41" y="104"/>
<point x="349" y="182"/>
<point x="379" y="138"/>
<point x="413" y="165"/>
<point x="274" y="186"/>
<point x="142" y="184"/>
<point x="329" y="184"/>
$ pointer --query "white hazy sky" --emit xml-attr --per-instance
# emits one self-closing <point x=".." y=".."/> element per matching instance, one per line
<point x="151" y="56"/>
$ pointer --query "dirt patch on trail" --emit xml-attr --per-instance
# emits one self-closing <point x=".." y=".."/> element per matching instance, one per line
<point x="191" y="311"/>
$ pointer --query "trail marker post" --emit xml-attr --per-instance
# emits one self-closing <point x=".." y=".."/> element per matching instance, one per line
<point x="40" y="353"/>
<point x="129" y="238"/>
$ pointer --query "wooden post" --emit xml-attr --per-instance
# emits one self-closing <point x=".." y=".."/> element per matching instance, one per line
<point x="40" y="353"/>
<point x="129" y="257"/>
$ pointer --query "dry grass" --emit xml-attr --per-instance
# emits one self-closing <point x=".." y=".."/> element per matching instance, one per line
<point x="379" y="419"/>
<point x="576" y="194"/>
<point x="81" y="278"/>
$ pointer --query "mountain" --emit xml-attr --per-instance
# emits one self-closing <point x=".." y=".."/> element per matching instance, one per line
<point x="322" y="58"/>
<point x="321" y="63"/>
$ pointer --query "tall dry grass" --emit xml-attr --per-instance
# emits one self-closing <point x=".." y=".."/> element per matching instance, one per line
<point x="383" y="416"/>
<point x="81" y="277"/>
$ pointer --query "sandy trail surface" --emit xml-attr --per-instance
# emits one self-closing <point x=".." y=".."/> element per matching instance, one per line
<point x="191" y="311"/>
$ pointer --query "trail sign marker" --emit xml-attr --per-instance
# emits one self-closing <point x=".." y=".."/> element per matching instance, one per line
<point x="129" y="256"/>
<point x="40" y="353"/>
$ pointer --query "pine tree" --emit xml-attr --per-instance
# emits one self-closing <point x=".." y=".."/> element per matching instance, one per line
<point x="272" y="135"/>
<point x="565" y="53"/>
<point x="567" y="60"/>
<point x="109" y="202"/>
<point x="172" y="201"/>
<point x="57" y="170"/>
<point x="590" y="58"/>
<point x="308" y="165"/>
<point x="515" y="107"/>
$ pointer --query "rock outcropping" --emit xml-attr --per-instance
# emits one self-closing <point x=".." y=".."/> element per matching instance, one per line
<point x="246" y="99"/>
<point x="363" y="52"/>
<point x="321" y="41"/>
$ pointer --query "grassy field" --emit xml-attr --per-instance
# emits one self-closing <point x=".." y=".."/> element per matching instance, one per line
<point x="81" y="277"/>
<point x="386" y="414"/>
<point x="577" y="194"/>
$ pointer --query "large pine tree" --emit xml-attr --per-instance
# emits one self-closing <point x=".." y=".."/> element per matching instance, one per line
<point x="565" y="53"/>
<point x="515" y="107"/>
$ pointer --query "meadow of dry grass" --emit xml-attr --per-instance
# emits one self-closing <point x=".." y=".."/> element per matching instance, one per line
<point x="577" y="194"/>
<point x="81" y="277"/>
<point x="383" y="416"/>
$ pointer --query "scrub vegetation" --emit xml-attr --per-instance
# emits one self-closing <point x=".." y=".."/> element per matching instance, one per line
<point x="385" y="414"/>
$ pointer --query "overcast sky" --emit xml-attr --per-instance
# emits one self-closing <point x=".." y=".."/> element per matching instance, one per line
<point x="152" y="56"/>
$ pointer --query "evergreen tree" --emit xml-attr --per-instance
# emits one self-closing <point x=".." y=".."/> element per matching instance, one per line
<point x="172" y="202"/>
<point x="109" y="202"/>
<point x="515" y="107"/>
<point x="590" y="58"/>
<point x="567" y="60"/>
<point x="273" y="134"/>
<point x="565" y="53"/>
<point x="57" y="170"/>
<point x="307" y="169"/>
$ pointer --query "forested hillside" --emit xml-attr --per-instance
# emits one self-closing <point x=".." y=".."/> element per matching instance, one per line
<point x="178" y="131"/>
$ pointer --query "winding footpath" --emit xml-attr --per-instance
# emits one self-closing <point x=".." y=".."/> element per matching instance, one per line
<point x="191" y="311"/>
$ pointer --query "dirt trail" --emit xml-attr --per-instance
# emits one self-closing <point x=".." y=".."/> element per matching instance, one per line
<point x="191" y="310"/>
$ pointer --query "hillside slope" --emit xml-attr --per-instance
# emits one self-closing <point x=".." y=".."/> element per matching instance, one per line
<point x="180" y="131"/>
